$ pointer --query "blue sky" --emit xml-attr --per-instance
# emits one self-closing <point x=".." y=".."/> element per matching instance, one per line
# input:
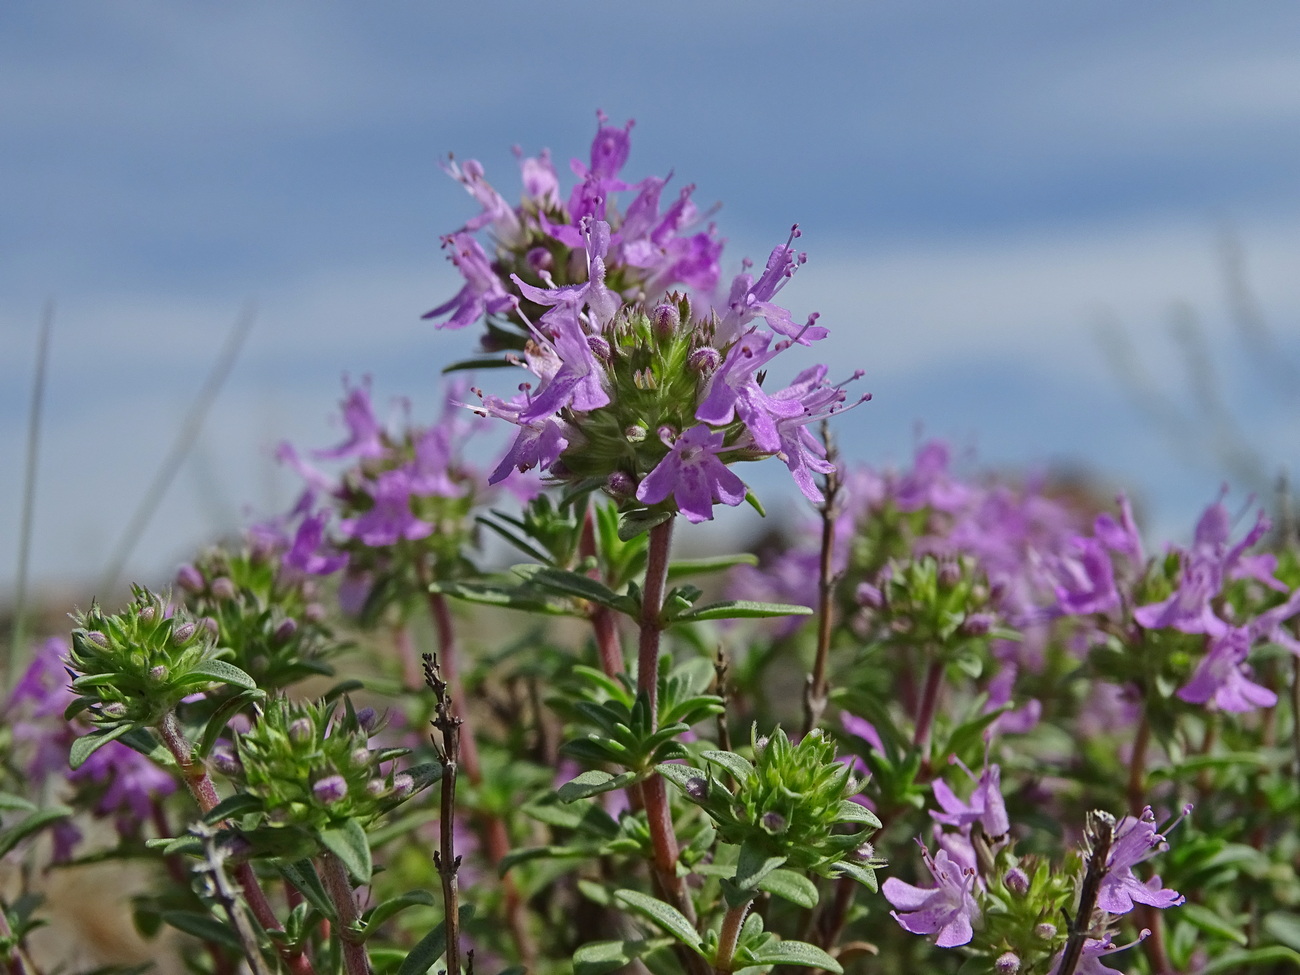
<point x="980" y="186"/>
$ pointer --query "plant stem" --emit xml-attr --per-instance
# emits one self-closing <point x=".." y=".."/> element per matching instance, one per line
<point x="652" y="605"/>
<point x="815" y="693"/>
<point x="728" y="938"/>
<point x="928" y="706"/>
<point x="603" y="620"/>
<point x="1137" y="774"/>
<point x="445" y="858"/>
<point x="204" y="792"/>
<point x="335" y="876"/>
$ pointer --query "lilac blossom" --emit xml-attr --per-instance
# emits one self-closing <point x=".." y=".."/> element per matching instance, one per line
<point x="390" y="518"/>
<point x="1093" y="950"/>
<point x="310" y="553"/>
<point x="986" y="805"/>
<point x="483" y="292"/>
<point x="947" y="910"/>
<point x="749" y="299"/>
<point x="693" y="475"/>
<point x="133" y="783"/>
<point x="733" y="390"/>
<point x="1135" y="840"/>
<point x="365" y="435"/>
<point x="1222" y="680"/>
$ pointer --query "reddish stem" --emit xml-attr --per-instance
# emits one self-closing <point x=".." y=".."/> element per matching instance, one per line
<point x="335" y="876"/>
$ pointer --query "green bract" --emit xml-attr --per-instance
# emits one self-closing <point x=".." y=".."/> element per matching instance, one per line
<point x="134" y="667"/>
<point x="311" y="767"/>
<point x="792" y="806"/>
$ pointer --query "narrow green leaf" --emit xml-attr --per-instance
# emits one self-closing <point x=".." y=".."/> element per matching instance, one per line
<point x="739" y="767"/>
<point x="567" y="583"/>
<point x="1212" y="923"/>
<point x="792" y="886"/>
<point x="680" y="775"/>
<point x="87" y="745"/>
<point x="854" y="812"/>
<point x="718" y="563"/>
<point x="505" y="597"/>
<point x="1240" y="961"/>
<point x="431" y="947"/>
<point x="599" y="957"/>
<point x="302" y="874"/>
<point x="221" y="672"/>
<point x="796" y="953"/>
<point x="1284" y="927"/>
<point x="341" y="688"/>
<point x="350" y="845"/>
<point x="735" y="609"/>
<point x="753" y="865"/>
<point x="203" y="927"/>
<point x="24" y="828"/>
<point x="637" y="523"/>
<point x="393" y="906"/>
<point x="664" y="915"/>
<point x="239" y="804"/>
<point x="221" y="718"/>
<point x="593" y="783"/>
<point x="10" y="801"/>
<point x="863" y="875"/>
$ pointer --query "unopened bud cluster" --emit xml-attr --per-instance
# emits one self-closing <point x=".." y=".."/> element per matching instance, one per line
<point x="929" y="601"/>
<point x="311" y="765"/>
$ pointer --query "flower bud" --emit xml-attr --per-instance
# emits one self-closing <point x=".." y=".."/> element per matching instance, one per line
<point x="1008" y="963"/>
<point x="697" y="788"/>
<point x="376" y="788"/>
<point x="635" y="433"/>
<point x="114" y="710"/>
<point x="620" y="485"/>
<point x="774" y="822"/>
<point x="190" y="579"/>
<point x="367" y="719"/>
<point x="285" y="631"/>
<point x="1017" y="881"/>
<point x="704" y="360"/>
<point x="223" y="589"/>
<point x="224" y="760"/>
<point x="1045" y="931"/>
<point x="184" y="633"/>
<point x="949" y="574"/>
<point x="977" y="624"/>
<point x="158" y="674"/>
<point x="864" y="852"/>
<point x="360" y="757"/>
<point x="330" y="789"/>
<point x="403" y="784"/>
<point x="599" y="346"/>
<point x="147" y="613"/>
<point x="665" y="320"/>
<point x="211" y="626"/>
<point x="97" y="638"/>
<point x="300" y="730"/>
<point x="540" y="259"/>
<point x="869" y="596"/>
<point x="314" y="613"/>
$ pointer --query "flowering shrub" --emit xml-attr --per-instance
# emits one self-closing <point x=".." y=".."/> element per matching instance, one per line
<point x="348" y="743"/>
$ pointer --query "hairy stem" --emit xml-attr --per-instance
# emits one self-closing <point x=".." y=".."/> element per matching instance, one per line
<point x="603" y="619"/>
<point x="335" y="876"/>
<point x="728" y="938"/>
<point x="652" y="605"/>
<point x="929" y="705"/>
<point x="445" y="858"/>
<point x="1137" y="767"/>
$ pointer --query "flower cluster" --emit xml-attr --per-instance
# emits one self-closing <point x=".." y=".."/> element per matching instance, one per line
<point x="647" y="394"/>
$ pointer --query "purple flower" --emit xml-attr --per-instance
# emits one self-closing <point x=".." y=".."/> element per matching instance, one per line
<point x="538" y="443"/>
<point x="733" y="390"/>
<point x="365" y="435"/>
<point x="1093" y="949"/>
<point x="1085" y="578"/>
<point x="496" y="211"/>
<point x="309" y="553"/>
<point x="801" y="452"/>
<point x="749" y="299"/>
<point x="483" y="292"/>
<point x="986" y="805"/>
<point x="946" y="910"/>
<point x="1135" y="840"/>
<point x="391" y="517"/>
<point x="133" y="783"/>
<point x="1222" y="678"/>
<point x="693" y="475"/>
<point x="330" y="789"/>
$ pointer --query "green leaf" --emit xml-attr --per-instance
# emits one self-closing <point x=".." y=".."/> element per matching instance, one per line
<point x="637" y="523"/>
<point x="792" y="886"/>
<point x="593" y="783"/>
<point x="506" y="597"/>
<point x="1284" y="927"/>
<point x="10" y="801"/>
<point x="341" y="688"/>
<point x="599" y="957"/>
<point x="795" y="953"/>
<point x="1240" y="961"/>
<point x="739" y="767"/>
<point x="303" y="876"/>
<point x="431" y="947"/>
<point x="1212" y="923"/>
<point x="664" y="915"/>
<point x="718" y="563"/>
<point x="221" y="718"/>
<point x="348" y="842"/>
<point x="87" y="745"/>
<point x="568" y="583"/>
<point x="389" y="908"/>
<point x="853" y="812"/>
<point x="680" y="775"/>
<point x="863" y="875"/>
<point x="24" y="828"/>
<point x="203" y="927"/>
<point x="221" y="672"/>
<point x="735" y="609"/>
<point x="239" y="804"/>
<point x="753" y="865"/>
